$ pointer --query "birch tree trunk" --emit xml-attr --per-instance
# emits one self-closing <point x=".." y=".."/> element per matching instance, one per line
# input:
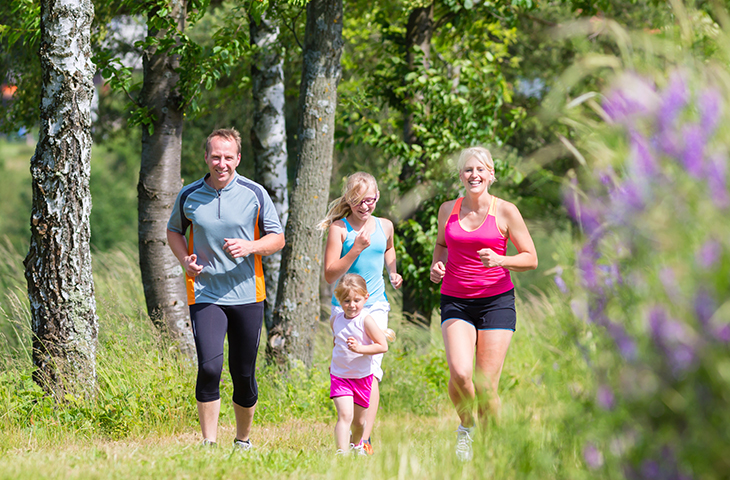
<point x="58" y="265"/>
<point x="268" y="137"/>
<point x="298" y="305"/>
<point x="159" y="184"/>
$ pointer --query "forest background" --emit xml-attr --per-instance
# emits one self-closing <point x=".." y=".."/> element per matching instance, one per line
<point x="619" y="336"/>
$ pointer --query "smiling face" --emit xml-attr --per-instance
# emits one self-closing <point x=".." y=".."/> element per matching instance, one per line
<point x="222" y="159"/>
<point x="365" y="207"/>
<point x="353" y="304"/>
<point x="476" y="176"/>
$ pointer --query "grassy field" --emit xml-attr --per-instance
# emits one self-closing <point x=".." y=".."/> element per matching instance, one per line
<point x="143" y="422"/>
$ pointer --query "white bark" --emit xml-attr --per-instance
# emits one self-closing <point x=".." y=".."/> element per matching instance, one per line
<point x="58" y="265"/>
<point x="298" y="306"/>
<point x="268" y="137"/>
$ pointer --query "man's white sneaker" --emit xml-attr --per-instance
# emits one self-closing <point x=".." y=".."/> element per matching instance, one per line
<point x="242" y="445"/>
<point x="463" y="444"/>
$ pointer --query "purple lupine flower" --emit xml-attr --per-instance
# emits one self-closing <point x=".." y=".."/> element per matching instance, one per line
<point x="650" y="469"/>
<point x="627" y="199"/>
<point x="673" y="340"/>
<point x="722" y="332"/>
<point x="704" y="306"/>
<point x="673" y="99"/>
<point x="624" y="342"/>
<point x="592" y="456"/>
<point x="669" y="281"/>
<point x="587" y="267"/>
<point x="642" y="163"/>
<point x="694" y="150"/>
<point x="710" y="105"/>
<point x="616" y="273"/>
<point x="559" y="280"/>
<point x="709" y="254"/>
<point x="716" y="175"/>
<point x="605" y="397"/>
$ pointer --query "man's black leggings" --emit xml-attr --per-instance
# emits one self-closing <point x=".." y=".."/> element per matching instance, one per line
<point x="243" y="324"/>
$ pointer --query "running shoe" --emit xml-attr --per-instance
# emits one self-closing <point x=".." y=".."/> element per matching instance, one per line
<point x="242" y="445"/>
<point x="359" y="449"/>
<point x="367" y="446"/>
<point x="207" y="443"/>
<point x="463" y="444"/>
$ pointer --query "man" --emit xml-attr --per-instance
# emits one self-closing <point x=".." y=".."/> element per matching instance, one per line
<point x="233" y="224"/>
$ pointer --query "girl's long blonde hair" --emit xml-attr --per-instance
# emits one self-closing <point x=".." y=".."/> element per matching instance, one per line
<point x="353" y="192"/>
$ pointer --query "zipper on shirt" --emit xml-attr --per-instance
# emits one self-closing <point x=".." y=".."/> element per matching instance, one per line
<point x="218" y="192"/>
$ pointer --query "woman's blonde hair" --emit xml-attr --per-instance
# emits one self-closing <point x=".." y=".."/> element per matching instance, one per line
<point x="349" y="283"/>
<point x="354" y="191"/>
<point x="482" y="155"/>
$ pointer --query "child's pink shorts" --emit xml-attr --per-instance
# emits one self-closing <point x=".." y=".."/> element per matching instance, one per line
<point x="357" y="388"/>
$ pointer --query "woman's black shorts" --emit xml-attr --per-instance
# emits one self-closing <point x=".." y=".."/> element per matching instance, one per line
<point x="497" y="312"/>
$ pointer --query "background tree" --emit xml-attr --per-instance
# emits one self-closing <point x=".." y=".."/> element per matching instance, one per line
<point x="159" y="173"/>
<point x="268" y="134"/>
<point x="298" y="306"/>
<point x="58" y="265"/>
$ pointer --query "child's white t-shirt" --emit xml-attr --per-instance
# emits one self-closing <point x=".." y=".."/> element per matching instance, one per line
<point x="345" y="362"/>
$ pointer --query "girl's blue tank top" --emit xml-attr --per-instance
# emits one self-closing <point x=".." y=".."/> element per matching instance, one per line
<point x="369" y="264"/>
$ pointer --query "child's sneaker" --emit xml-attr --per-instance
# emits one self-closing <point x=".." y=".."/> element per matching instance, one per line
<point x="463" y="443"/>
<point x="359" y="449"/>
<point x="242" y="445"/>
<point x="367" y="446"/>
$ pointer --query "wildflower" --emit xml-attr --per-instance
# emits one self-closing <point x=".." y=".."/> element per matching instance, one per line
<point x="694" y="150"/>
<point x="710" y="105"/>
<point x="605" y="398"/>
<point x="673" y="99"/>
<point x="704" y="306"/>
<point x="716" y="174"/>
<point x="558" y="279"/>
<point x="592" y="456"/>
<point x="709" y="254"/>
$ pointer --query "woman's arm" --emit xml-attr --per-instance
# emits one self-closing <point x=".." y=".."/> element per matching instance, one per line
<point x="379" y="345"/>
<point x="526" y="258"/>
<point x="440" y="252"/>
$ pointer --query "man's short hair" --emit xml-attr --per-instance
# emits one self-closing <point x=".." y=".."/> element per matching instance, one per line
<point x="230" y="134"/>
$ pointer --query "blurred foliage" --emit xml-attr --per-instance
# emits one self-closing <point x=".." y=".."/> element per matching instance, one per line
<point x="652" y="199"/>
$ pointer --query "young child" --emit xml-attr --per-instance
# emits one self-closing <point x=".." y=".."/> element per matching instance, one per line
<point x="358" y="242"/>
<point x="356" y="338"/>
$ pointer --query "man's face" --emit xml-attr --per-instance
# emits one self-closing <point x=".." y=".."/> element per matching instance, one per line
<point x="222" y="160"/>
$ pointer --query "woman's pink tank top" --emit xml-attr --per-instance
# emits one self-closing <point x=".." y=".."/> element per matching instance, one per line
<point x="466" y="276"/>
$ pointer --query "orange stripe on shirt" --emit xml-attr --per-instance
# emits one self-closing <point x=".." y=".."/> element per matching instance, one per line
<point x="190" y="281"/>
<point x="259" y="266"/>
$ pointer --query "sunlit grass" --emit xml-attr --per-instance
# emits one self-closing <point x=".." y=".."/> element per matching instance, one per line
<point x="143" y="422"/>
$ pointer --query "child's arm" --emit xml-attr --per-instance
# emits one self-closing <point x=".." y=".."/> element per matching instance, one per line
<point x="380" y="344"/>
<point x="395" y="279"/>
<point x="334" y="266"/>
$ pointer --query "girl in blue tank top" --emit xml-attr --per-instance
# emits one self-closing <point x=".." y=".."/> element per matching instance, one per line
<point x="358" y="242"/>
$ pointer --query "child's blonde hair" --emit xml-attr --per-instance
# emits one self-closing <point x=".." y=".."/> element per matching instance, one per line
<point x="353" y="192"/>
<point x="482" y="155"/>
<point x="349" y="283"/>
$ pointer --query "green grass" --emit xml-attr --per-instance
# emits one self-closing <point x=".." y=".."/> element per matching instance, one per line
<point x="143" y="423"/>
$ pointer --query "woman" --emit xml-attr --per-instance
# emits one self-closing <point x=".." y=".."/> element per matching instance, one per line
<point x="477" y="295"/>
